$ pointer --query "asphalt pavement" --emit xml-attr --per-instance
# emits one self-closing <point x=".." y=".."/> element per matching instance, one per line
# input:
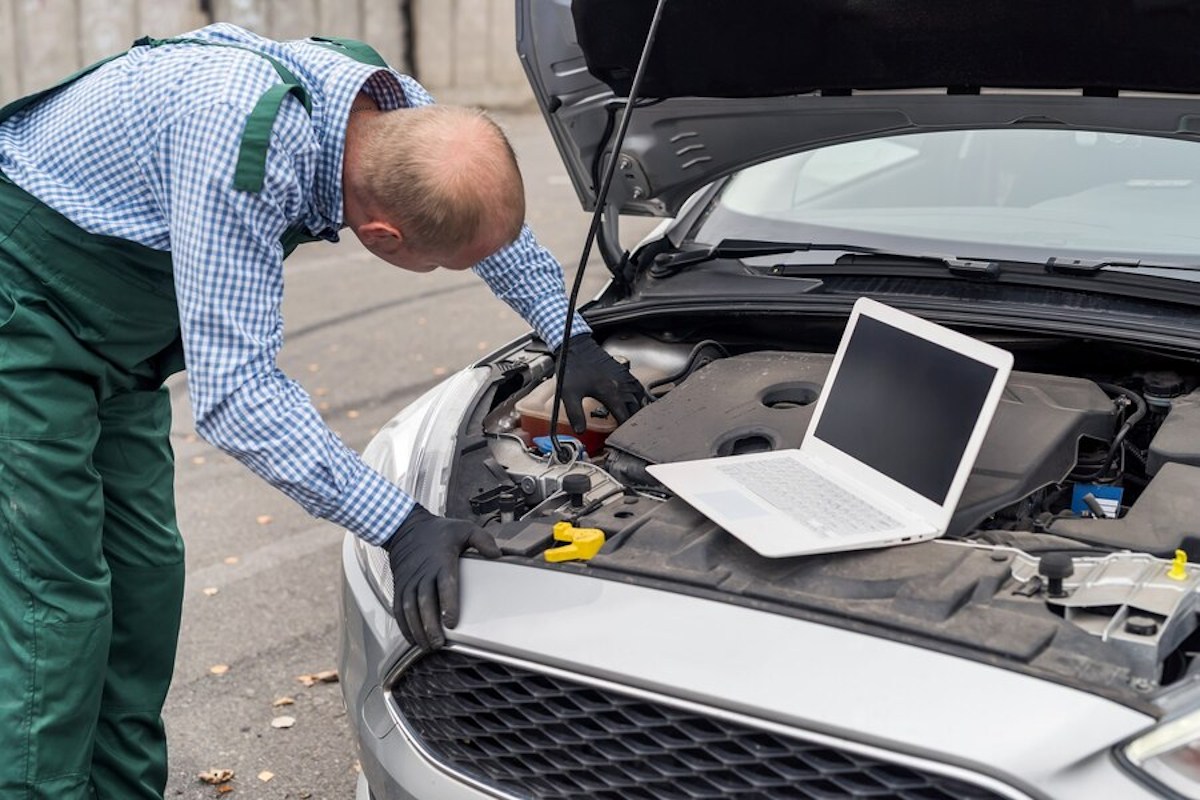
<point x="261" y="606"/>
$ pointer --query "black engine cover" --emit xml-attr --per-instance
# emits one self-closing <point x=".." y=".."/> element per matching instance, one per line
<point x="765" y="401"/>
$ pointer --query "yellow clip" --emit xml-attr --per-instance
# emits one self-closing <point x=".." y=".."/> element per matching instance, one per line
<point x="1178" y="570"/>
<point x="584" y="543"/>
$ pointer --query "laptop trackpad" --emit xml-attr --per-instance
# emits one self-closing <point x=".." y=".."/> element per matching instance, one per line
<point x="732" y="505"/>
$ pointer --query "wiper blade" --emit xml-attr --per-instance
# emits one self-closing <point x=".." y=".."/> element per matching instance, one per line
<point x="667" y="264"/>
<point x="1064" y="265"/>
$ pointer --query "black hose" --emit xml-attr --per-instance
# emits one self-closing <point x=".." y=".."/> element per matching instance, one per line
<point x="688" y="365"/>
<point x="1130" y="421"/>
<point x="1133" y="419"/>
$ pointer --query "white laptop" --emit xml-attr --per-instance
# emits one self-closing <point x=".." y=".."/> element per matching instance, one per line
<point x="892" y="441"/>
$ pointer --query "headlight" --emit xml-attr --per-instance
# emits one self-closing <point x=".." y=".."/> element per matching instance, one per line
<point x="415" y="450"/>
<point x="1170" y="754"/>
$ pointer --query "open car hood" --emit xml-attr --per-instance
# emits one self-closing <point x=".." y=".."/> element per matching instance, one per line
<point x="730" y="84"/>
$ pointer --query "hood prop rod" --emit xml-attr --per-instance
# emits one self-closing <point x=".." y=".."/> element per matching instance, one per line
<point x="560" y="451"/>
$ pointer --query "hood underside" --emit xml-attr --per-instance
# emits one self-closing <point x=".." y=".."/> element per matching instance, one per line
<point x="733" y="84"/>
<point x="760" y="48"/>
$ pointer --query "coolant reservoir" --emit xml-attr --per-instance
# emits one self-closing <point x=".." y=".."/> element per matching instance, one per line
<point x="535" y="407"/>
<point x="649" y="360"/>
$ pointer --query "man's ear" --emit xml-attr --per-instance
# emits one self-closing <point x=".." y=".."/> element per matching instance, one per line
<point x="380" y="235"/>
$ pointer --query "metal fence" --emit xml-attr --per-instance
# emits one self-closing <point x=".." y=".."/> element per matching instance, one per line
<point x="462" y="50"/>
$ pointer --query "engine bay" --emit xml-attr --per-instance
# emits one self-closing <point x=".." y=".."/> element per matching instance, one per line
<point x="1058" y="559"/>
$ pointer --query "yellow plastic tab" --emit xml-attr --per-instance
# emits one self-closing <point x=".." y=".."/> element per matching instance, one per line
<point x="1178" y="570"/>
<point x="584" y="543"/>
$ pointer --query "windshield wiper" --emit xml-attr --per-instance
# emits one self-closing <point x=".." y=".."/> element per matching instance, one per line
<point x="1061" y="265"/>
<point x="667" y="264"/>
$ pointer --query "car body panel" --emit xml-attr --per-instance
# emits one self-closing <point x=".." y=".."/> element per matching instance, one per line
<point x="867" y="690"/>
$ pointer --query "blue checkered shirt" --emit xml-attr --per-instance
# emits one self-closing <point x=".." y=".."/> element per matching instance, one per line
<point x="144" y="149"/>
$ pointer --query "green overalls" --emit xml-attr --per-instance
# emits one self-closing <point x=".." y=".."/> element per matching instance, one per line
<point x="91" y="560"/>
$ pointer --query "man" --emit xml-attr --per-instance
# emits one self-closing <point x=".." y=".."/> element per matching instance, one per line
<point x="145" y="210"/>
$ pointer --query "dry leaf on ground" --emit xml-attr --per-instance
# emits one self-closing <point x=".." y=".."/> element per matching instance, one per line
<point x="219" y="669"/>
<point x="216" y="776"/>
<point x="264" y="519"/>
<point x="325" y="676"/>
<point x="283" y="722"/>
<point x="224" y="788"/>
<point x="353" y="414"/>
<point x="266" y="775"/>
<point x="209" y="591"/>
<point x="284" y="701"/>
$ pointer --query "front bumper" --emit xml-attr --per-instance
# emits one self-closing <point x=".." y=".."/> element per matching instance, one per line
<point x="1014" y="734"/>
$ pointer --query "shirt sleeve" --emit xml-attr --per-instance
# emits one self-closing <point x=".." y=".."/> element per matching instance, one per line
<point x="524" y="274"/>
<point x="527" y="277"/>
<point x="228" y="264"/>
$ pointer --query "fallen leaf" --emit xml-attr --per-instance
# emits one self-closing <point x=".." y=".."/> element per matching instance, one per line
<point x="314" y="367"/>
<point x="321" y="391"/>
<point x="305" y="795"/>
<point x="224" y="789"/>
<point x="209" y="591"/>
<point x="325" y="676"/>
<point x="216" y="776"/>
<point x="198" y="460"/>
<point x="283" y="722"/>
<point x="219" y="669"/>
<point x="264" y="519"/>
<point x="265" y="775"/>
<point x="352" y="414"/>
<point x="284" y="701"/>
<point x="231" y="560"/>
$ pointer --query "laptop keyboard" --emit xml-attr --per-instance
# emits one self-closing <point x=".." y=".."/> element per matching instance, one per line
<point x="813" y="500"/>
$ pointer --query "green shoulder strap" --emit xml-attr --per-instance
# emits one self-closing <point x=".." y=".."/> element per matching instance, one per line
<point x="251" y="169"/>
<point x="359" y="51"/>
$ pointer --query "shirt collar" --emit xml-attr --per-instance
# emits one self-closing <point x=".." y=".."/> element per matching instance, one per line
<point x="383" y="86"/>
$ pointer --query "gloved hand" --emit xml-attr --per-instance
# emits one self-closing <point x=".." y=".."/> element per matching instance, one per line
<point x="591" y="372"/>
<point x="423" y="554"/>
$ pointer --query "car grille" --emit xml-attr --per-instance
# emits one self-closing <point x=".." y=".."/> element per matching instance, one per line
<point x="543" y="736"/>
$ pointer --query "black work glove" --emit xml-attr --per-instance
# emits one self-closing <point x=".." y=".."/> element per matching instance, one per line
<point x="591" y="372"/>
<point x="423" y="554"/>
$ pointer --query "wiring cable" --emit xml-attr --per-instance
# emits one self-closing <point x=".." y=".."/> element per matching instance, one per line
<point x="560" y="370"/>
<point x="689" y="366"/>
<point x="1115" y="447"/>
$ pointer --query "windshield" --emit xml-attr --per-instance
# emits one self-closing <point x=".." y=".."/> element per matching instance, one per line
<point x="1016" y="194"/>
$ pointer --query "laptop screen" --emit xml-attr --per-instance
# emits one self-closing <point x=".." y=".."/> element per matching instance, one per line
<point x="904" y="406"/>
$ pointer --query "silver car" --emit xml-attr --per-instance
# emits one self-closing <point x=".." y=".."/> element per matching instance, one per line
<point x="1044" y="197"/>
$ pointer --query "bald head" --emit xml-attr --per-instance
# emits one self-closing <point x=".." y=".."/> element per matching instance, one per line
<point x="445" y="176"/>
